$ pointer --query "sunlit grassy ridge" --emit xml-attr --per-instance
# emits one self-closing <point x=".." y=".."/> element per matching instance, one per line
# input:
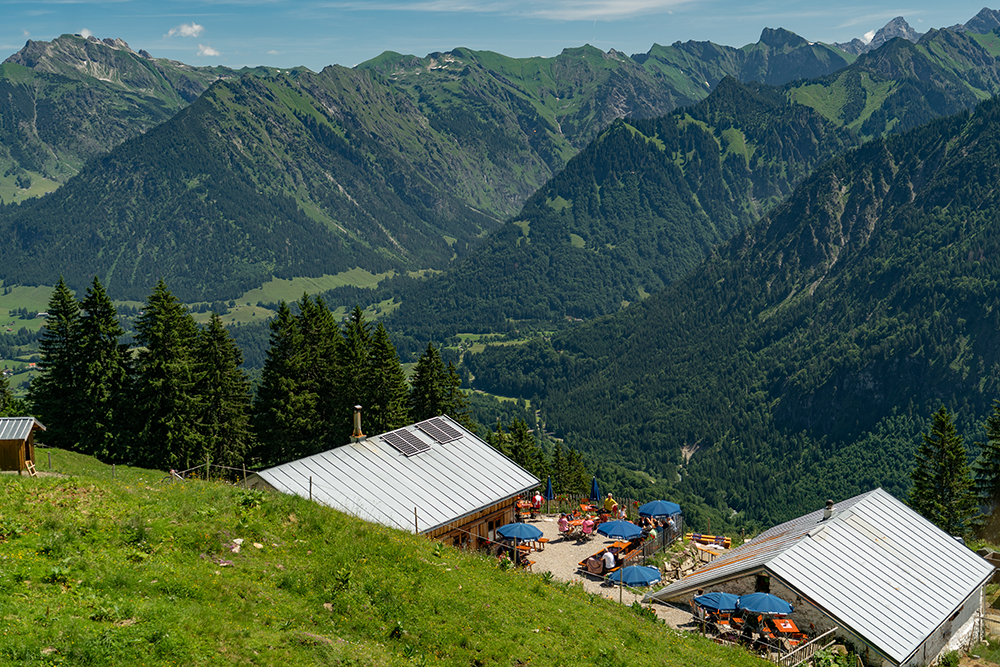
<point x="140" y="572"/>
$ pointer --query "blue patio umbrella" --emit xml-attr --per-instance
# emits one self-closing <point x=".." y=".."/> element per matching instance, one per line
<point x="636" y="575"/>
<point x="716" y="601"/>
<point x="658" y="508"/>
<point x="595" y="491"/>
<point x="764" y="603"/>
<point x="625" y="530"/>
<point x="549" y="495"/>
<point x="519" y="531"/>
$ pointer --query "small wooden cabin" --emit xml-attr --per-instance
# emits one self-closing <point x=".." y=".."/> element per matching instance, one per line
<point x="17" y="442"/>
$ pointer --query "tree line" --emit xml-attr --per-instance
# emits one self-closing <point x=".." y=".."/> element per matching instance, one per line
<point x="178" y="396"/>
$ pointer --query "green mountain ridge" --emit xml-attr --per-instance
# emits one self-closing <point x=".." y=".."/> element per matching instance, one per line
<point x="802" y="358"/>
<point x="296" y="173"/>
<point x="74" y="98"/>
<point x="634" y="211"/>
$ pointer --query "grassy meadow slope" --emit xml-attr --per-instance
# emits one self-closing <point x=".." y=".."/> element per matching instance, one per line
<point x="133" y="571"/>
<point x="801" y="359"/>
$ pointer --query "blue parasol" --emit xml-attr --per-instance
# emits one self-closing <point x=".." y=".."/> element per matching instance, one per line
<point x="636" y="575"/>
<point x="519" y="531"/>
<point x="595" y="491"/>
<point x="658" y="508"/>
<point x="625" y="530"/>
<point x="718" y="601"/>
<point x="549" y="495"/>
<point x="764" y="603"/>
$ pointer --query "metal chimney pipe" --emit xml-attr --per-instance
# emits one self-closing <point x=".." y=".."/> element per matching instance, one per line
<point x="828" y="512"/>
<point x="357" y="435"/>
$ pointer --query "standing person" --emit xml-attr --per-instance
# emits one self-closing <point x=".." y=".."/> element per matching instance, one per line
<point x="671" y="527"/>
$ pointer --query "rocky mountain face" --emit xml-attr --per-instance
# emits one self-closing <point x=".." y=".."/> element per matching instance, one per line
<point x="898" y="27"/>
<point x="66" y="101"/>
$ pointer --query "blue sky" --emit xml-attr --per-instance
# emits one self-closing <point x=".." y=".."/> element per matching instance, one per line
<point x="316" y="33"/>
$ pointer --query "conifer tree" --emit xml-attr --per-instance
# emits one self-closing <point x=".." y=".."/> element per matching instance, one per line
<point x="224" y="395"/>
<point x="388" y="395"/>
<point x="428" y="388"/>
<point x="55" y="391"/>
<point x="165" y="434"/>
<point x="577" y="476"/>
<point x="6" y="398"/>
<point x="354" y="383"/>
<point x="942" y="484"/>
<point x="273" y="415"/>
<point x="103" y="378"/>
<point x="298" y="390"/>
<point x="987" y="479"/>
<point x="436" y="390"/>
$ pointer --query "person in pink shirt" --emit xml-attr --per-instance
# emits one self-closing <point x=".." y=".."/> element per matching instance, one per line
<point x="563" y="524"/>
<point x="588" y="527"/>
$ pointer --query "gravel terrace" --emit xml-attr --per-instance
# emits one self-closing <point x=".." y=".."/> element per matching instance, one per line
<point x="561" y="557"/>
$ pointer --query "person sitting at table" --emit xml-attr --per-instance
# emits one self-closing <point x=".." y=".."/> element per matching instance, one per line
<point x="609" y="503"/>
<point x="651" y="535"/>
<point x="588" y="527"/>
<point x="563" y="524"/>
<point x="609" y="561"/>
<point x="537" y="501"/>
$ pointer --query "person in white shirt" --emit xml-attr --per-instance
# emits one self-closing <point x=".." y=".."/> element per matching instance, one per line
<point x="609" y="561"/>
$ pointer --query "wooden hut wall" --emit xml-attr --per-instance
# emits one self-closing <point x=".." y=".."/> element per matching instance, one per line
<point x="12" y="454"/>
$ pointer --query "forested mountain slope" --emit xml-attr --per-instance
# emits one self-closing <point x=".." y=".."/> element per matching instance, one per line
<point x="65" y="101"/>
<point x="398" y="164"/>
<point x="636" y="210"/>
<point x="800" y="360"/>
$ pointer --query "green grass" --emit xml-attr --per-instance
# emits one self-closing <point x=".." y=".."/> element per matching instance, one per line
<point x="130" y="571"/>
<point x="291" y="290"/>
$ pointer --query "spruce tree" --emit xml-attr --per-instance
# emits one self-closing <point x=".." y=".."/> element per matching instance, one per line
<point x="55" y="391"/>
<point x="942" y="484"/>
<point x="103" y="378"/>
<point x="6" y="398"/>
<point x="354" y="383"/>
<point x="273" y="415"/>
<point x="428" y="389"/>
<point x="436" y="390"/>
<point x="165" y="434"/>
<point x="388" y="394"/>
<point x="224" y="396"/>
<point x="298" y="391"/>
<point x="987" y="478"/>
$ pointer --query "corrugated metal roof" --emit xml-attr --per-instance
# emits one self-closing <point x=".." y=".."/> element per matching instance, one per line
<point x="18" y="428"/>
<point x="875" y="566"/>
<point x="374" y="481"/>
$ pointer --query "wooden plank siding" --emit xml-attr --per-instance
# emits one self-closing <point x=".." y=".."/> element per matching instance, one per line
<point x="475" y="525"/>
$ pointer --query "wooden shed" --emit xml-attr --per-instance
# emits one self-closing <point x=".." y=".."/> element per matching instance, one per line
<point x="17" y="442"/>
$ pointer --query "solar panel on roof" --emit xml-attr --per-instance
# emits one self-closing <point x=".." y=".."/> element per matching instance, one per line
<point x="405" y="442"/>
<point x="439" y="429"/>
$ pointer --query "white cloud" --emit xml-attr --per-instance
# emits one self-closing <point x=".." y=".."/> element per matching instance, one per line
<point x="25" y="33"/>
<point x="272" y="52"/>
<point x="559" y="10"/>
<point x="207" y="51"/>
<point x="186" y="30"/>
<point x="868" y="37"/>
<point x="86" y="33"/>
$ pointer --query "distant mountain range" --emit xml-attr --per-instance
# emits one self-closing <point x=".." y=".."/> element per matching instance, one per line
<point x="406" y="163"/>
